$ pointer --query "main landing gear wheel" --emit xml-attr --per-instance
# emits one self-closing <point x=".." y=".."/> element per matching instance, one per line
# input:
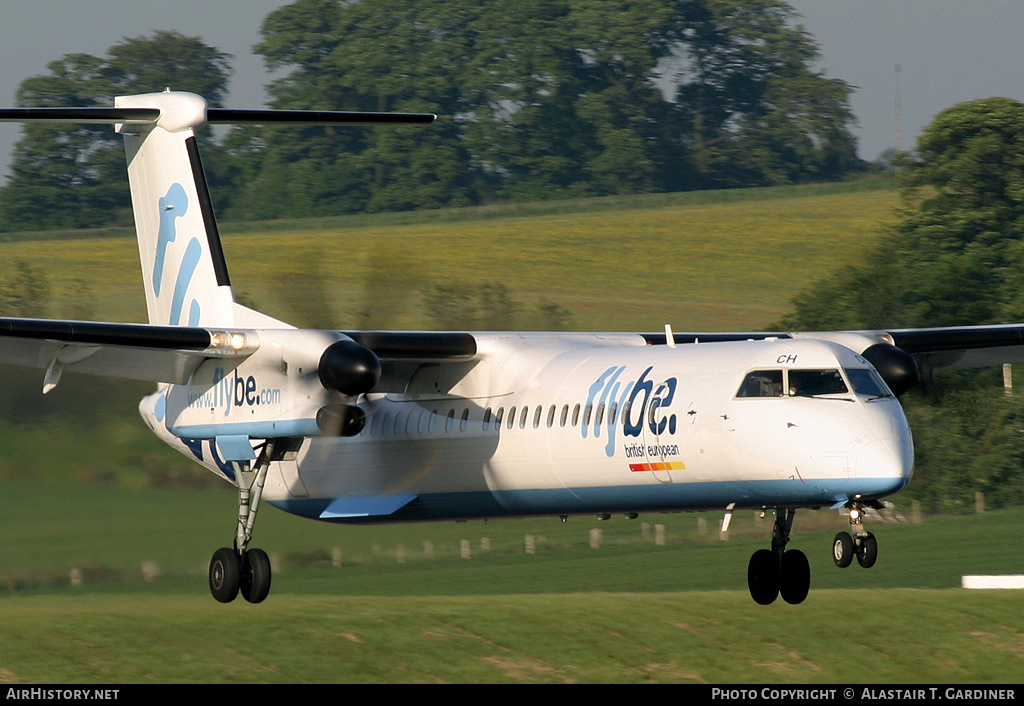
<point x="224" y="575"/>
<point x="248" y="574"/>
<point x="774" y="572"/>
<point x="243" y="569"/>
<point x="763" y="576"/>
<point x="796" y="577"/>
<point x="768" y="577"/>
<point x="255" y="576"/>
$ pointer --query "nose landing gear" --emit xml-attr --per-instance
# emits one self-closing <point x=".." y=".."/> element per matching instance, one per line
<point x="778" y="571"/>
<point x="856" y="543"/>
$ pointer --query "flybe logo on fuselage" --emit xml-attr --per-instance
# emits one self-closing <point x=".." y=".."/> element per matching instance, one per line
<point x="233" y="390"/>
<point x="632" y="404"/>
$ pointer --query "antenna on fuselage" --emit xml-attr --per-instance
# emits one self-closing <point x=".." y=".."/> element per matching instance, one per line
<point x="670" y="340"/>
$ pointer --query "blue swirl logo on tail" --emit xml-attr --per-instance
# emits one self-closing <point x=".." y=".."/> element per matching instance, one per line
<point x="174" y="205"/>
<point x="185" y="271"/>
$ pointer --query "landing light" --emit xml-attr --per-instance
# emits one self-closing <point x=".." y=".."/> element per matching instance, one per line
<point x="229" y="342"/>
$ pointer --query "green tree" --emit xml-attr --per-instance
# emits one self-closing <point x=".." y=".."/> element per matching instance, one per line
<point x="368" y="55"/>
<point x="956" y="254"/>
<point x="967" y="441"/>
<point x="521" y="87"/>
<point x="544" y="98"/>
<point x="72" y="176"/>
<point x="757" y="113"/>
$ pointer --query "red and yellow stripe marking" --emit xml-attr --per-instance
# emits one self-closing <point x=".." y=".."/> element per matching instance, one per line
<point x="670" y="466"/>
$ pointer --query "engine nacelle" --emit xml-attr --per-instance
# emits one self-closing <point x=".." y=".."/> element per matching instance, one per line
<point x="898" y="368"/>
<point x="349" y="368"/>
<point x="341" y="420"/>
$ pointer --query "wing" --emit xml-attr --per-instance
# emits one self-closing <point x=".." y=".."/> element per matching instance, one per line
<point x="962" y="346"/>
<point x="134" y="351"/>
<point x="170" y="354"/>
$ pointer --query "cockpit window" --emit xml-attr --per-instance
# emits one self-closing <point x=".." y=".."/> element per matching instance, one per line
<point x="816" y="382"/>
<point x="867" y="382"/>
<point x="762" y="383"/>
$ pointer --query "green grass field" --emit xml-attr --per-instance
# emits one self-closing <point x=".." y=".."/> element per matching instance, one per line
<point x="630" y="611"/>
<point x="710" y="261"/>
<point x="897" y="636"/>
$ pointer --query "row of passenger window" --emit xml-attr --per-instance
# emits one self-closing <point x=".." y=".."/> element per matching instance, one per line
<point x="563" y="418"/>
<point x="429" y="422"/>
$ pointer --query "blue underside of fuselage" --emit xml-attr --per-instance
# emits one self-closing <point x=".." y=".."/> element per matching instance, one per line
<point x="668" y="497"/>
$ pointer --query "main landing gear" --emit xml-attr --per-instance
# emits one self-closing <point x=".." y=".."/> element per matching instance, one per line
<point x="856" y="543"/>
<point x="242" y="569"/>
<point x="776" y="571"/>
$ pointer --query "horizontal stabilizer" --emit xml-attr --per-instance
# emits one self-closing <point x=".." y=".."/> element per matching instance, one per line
<point x="365" y="506"/>
<point x="94" y="116"/>
<point x="229" y="116"/>
<point x="218" y="116"/>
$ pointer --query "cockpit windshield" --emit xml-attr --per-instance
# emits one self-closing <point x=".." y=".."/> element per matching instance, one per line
<point x="867" y="382"/>
<point x="806" y="383"/>
<point x="812" y="382"/>
<point x="762" y="383"/>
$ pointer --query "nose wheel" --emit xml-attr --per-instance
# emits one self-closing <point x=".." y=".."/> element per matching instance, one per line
<point x="777" y="571"/>
<point x="855" y="543"/>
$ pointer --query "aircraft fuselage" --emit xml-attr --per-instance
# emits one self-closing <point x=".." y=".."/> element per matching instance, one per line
<point x="562" y="424"/>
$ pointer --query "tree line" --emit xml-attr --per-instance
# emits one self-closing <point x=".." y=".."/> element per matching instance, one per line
<point x="536" y="99"/>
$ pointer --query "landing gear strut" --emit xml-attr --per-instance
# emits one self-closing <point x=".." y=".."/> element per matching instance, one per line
<point x="857" y="542"/>
<point x="776" y="571"/>
<point x="243" y="569"/>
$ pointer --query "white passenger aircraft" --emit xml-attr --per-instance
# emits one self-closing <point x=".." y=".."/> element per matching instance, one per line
<point x="388" y="426"/>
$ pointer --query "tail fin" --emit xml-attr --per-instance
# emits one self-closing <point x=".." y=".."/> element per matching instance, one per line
<point x="183" y="266"/>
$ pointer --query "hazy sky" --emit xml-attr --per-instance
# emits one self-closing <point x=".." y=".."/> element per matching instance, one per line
<point x="949" y="51"/>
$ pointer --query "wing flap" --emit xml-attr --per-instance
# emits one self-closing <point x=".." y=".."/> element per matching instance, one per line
<point x="956" y="347"/>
